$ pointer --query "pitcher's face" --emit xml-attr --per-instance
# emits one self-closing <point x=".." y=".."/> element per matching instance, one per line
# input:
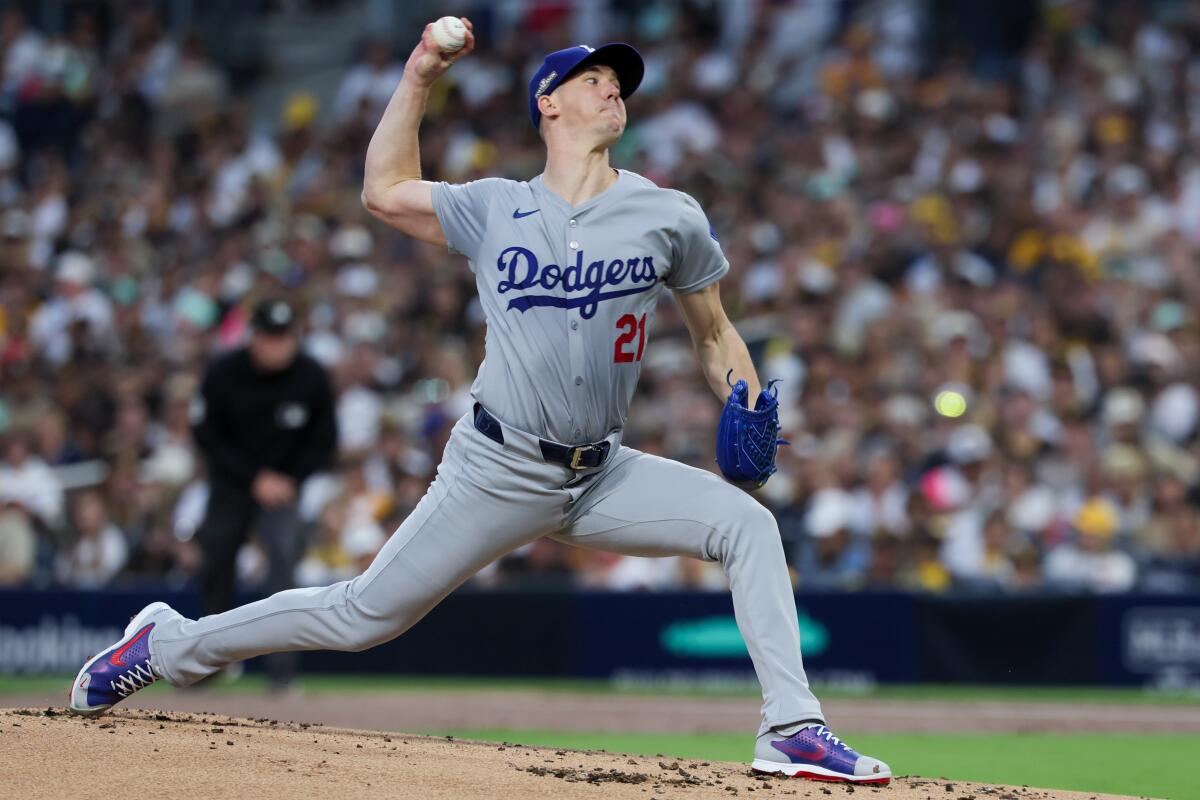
<point x="590" y="102"/>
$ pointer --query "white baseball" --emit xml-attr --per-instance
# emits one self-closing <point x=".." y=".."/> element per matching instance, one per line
<point x="450" y="34"/>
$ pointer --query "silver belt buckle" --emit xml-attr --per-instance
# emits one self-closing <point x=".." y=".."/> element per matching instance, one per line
<point x="577" y="454"/>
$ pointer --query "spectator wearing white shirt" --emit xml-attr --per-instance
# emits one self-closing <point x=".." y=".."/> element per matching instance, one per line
<point x="359" y="405"/>
<point x="1092" y="563"/>
<point x="28" y="493"/>
<point x="23" y="48"/>
<point x="829" y="557"/>
<point x="194" y="91"/>
<point x="98" y="551"/>
<point x="18" y="548"/>
<point x="27" y="485"/>
<point x="879" y="503"/>
<point x="53" y="329"/>
<point x="368" y="85"/>
<point x="970" y="449"/>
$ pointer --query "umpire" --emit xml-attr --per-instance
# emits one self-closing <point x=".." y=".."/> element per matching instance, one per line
<point x="265" y="421"/>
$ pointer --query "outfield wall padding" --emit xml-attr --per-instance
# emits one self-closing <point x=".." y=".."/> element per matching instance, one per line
<point x="860" y="638"/>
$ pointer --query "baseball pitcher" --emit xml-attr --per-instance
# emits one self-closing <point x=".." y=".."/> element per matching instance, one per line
<point x="569" y="267"/>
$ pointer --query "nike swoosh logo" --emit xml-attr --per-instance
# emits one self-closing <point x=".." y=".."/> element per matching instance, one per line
<point x="518" y="213"/>
<point x="117" y="659"/>
<point x="794" y="750"/>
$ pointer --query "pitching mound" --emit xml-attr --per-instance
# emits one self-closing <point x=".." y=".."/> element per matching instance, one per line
<point x="50" y="754"/>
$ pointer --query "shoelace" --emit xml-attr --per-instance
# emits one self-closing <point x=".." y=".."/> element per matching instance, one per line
<point x="824" y="733"/>
<point x="139" y="677"/>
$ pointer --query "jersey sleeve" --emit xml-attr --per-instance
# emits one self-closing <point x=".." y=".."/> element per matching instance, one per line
<point x="698" y="259"/>
<point x="462" y="211"/>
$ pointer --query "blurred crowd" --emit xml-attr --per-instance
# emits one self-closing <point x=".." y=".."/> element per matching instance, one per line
<point x="965" y="236"/>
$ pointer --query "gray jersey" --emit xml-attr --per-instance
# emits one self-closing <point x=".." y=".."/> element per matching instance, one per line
<point x="569" y="293"/>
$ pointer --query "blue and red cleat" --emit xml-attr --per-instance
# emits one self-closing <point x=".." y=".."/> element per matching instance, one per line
<point x="118" y="672"/>
<point x="815" y="753"/>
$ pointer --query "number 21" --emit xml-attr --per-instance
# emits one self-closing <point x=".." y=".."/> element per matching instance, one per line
<point x="632" y="327"/>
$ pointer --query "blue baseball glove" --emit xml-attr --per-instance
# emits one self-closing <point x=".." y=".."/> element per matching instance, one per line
<point x="747" y="439"/>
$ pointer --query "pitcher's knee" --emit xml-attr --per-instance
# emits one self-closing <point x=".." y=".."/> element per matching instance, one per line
<point x="358" y="626"/>
<point x="366" y="638"/>
<point x="365" y="630"/>
<point x="753" y="525"/>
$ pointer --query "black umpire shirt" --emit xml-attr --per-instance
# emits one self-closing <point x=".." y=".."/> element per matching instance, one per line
<point x="246" y="420"/>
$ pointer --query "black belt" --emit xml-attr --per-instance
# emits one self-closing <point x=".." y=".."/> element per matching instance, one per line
<point x="584" y="456"/>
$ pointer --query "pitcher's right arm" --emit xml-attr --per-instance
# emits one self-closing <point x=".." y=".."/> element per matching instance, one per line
<point x="392" y="187"/>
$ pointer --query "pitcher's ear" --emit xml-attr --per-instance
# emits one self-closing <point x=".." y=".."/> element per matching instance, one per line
<point x="547" y="105"/>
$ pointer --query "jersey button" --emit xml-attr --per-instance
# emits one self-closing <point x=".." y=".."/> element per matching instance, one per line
<point x="574" y="245"/>
<point x="578" y="433"/>
<point x="574" y="324"/>
<point x="578" y="380"/>
<point x="574" y="223"/>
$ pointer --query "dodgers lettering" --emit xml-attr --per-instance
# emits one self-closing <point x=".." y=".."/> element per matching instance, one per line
<point x="522" y="271"/>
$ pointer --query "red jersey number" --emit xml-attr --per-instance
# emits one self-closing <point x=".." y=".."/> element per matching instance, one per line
<point x="634" y="328"/>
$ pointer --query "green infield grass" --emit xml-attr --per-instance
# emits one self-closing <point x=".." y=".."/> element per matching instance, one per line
<point x="1145" y="765"/>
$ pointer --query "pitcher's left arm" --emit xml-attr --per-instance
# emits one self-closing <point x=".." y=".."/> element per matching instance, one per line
<point x="718" y="344"/>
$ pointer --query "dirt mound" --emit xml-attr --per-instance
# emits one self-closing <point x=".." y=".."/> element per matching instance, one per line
<point x="46" y="753"/>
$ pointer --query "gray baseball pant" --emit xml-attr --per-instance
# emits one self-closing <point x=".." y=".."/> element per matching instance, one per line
<point x="489" y="499"/>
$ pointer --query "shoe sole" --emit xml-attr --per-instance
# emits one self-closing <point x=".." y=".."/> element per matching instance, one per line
<point x="133" y="626"/>
<point x="814" y="773"/>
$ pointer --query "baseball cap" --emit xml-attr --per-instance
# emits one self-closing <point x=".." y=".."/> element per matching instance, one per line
<point x="1097" y="517"/>
<point x="272" y="316"/>
<point x="624" y="59"/>
<point x="75" y="267"/>
<point x="1123" y="405"/>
